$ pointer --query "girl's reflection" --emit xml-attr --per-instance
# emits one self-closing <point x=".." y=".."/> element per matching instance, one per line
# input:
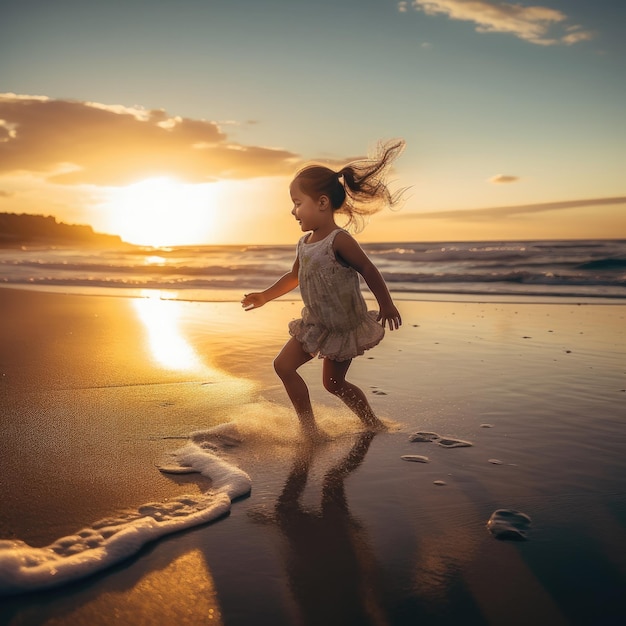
<point x="331" y="569"/>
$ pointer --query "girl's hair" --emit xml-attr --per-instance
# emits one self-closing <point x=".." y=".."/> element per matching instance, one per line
<point x="363" y="191"/>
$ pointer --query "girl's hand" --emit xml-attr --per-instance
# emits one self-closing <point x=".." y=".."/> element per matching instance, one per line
<point x="253" y="301"/>
<point x="389" y="315"/>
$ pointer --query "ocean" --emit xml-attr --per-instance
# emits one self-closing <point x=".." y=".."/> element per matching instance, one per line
<point x="578" y="269"/>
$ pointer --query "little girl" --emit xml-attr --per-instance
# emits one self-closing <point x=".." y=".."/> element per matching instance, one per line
<point x="335" y="323"/>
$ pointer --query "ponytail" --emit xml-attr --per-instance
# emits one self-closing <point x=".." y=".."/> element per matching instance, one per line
<point x="358" y="189"/>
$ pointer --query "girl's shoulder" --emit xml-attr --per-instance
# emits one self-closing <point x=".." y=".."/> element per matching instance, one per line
<point x="342" y="234"/>
<point x="342" y="238"/>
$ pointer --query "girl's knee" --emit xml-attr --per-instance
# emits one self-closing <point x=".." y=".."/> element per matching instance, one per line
<point x="290" y="358"/>
<point x="280" y="367"/>
<point x="283" y="366"/>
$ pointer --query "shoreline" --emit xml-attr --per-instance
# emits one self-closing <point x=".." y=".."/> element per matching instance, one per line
<point x="234" y="295"/>
<point x="91" y="411"/>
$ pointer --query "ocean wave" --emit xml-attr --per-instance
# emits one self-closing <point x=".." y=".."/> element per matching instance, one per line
<point x="475" y="267"/>
<point x="146" y="270"/>
<point x="603" y="264"/>
<point x="505" y="277"/>
<point x="131" y="283"/>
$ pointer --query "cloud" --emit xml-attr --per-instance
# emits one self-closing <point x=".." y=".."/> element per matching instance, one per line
<point x="503" y="178"/>
<point x="76" y="142"/>
<point x="5" y="194"/>
<point x="488" y="214"/>
<point x="530" y="23"/>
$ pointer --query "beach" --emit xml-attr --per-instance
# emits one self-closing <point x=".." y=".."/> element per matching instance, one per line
<point x="99" y="390"/>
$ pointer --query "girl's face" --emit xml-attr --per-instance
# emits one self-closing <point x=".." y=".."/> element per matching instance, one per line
<point x="306" y="210"/>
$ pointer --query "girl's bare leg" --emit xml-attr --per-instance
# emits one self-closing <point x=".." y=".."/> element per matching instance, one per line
<point x="334" y="374"/>
<point x="290" y="358"/>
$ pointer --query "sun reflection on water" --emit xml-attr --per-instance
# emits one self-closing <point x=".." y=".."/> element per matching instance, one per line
<point x="162" y="321"/>
<point x="154" y="259"/>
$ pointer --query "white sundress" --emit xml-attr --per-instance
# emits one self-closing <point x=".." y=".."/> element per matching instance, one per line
<point x="335" y="322"/>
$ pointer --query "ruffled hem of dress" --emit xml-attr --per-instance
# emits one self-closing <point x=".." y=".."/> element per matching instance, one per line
<point x="338" y="346"/>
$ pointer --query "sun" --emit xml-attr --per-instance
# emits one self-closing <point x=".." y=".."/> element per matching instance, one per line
<point x="163" y="212"/>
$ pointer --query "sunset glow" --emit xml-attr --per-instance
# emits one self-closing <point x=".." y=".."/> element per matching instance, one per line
<point x="512" y="116"/>
<point x="161" y="211"/>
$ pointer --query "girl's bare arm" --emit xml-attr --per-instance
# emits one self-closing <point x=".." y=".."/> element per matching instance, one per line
<point x="349" y="251"/>
<point x="283" y="285"/>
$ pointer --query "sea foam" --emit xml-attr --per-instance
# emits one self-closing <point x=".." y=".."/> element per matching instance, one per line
<point x="111" y="540"/>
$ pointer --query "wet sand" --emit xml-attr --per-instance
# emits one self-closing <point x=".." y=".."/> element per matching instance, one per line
<point x="97" y="390"/>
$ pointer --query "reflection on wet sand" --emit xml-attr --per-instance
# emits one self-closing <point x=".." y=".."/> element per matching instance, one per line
<point x="332" y="571"/>
<point x="168" y="345"/>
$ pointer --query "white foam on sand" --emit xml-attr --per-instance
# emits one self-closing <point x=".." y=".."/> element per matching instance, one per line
<point x="109" y="541"/>
<point x="24" y="568"/>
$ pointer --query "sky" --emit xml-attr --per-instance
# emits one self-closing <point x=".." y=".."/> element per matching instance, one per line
<point x="183" y="121"/>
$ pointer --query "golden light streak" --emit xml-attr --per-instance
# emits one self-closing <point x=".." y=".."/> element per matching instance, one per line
<point x="162" y="321"/>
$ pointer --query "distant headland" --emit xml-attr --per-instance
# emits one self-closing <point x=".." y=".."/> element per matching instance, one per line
<point x="45" y="230"/>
